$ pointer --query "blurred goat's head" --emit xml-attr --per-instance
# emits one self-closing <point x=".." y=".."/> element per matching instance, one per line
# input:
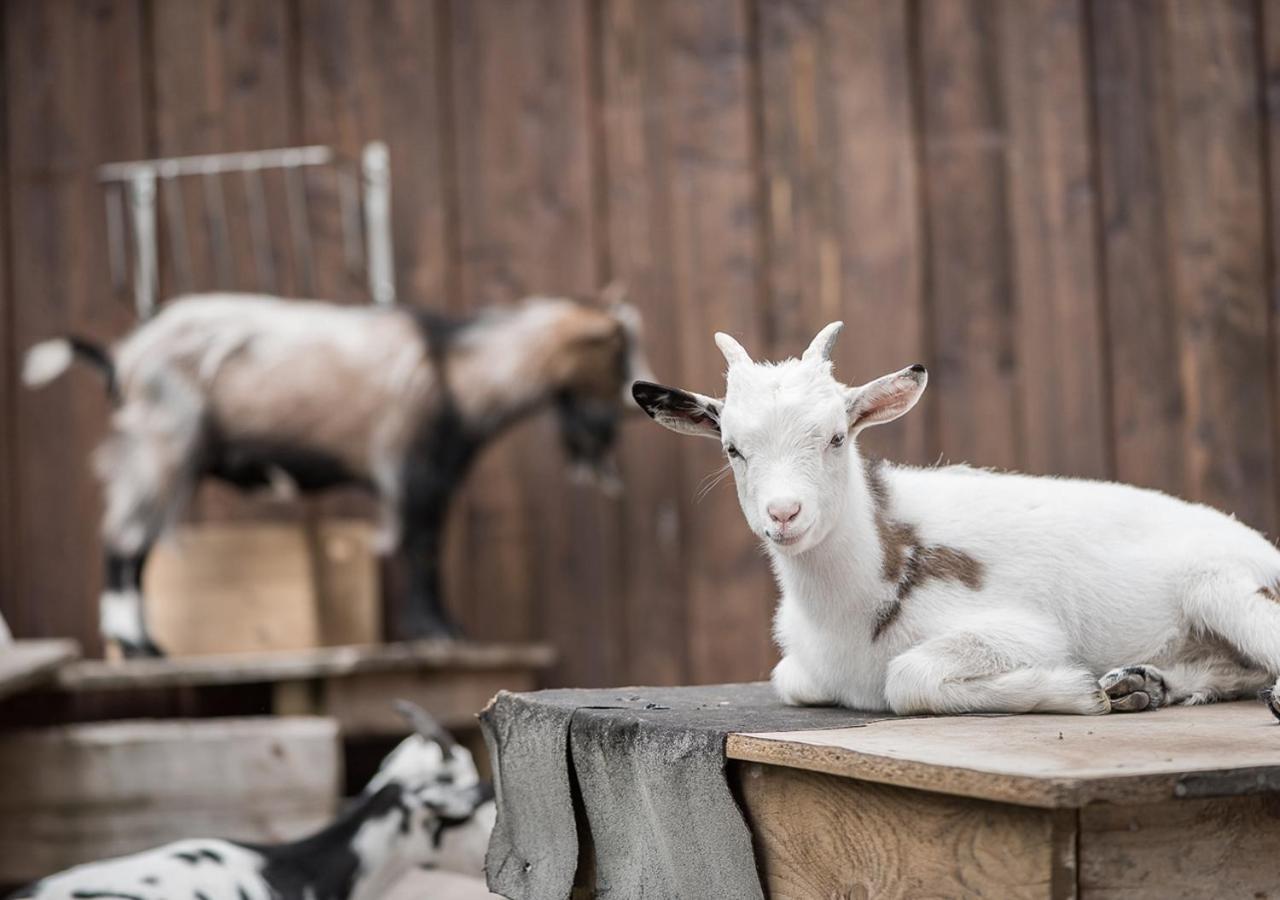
<point x="787" y="429"/>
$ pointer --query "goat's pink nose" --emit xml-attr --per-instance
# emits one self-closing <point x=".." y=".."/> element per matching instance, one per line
<point x="783" y="511"/>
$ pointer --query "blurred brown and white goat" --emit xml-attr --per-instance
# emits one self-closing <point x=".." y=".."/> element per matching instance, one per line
<point x="426" y="807"/>
<point x="259" y="391"/>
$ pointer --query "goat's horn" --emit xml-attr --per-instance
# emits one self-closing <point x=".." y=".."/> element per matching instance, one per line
<point x="425" y="724"/>
<point x="732" y="350"/>
<point x="820" y="347"/>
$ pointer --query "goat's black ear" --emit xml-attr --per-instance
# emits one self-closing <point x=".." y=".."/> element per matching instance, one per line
<point x="681" y="411"/>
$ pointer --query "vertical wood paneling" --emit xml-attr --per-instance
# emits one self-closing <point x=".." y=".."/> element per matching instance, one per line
<point x="521" y="88"/>
<point x="971" y="298"/>
<point x="375" y="72"/>
<point x="12" y="606"/>
<point x="1219" y="260"/>
<point x="843" y="199"/>
<point x="637" y="163"/>
<point x="75" y="99"/>
<point x="1062" y="401"/>
<point x="222" y="82"/>
<point x="1183" y="195"/>
<point x="701" y="125"/>
<point x="1129" y="71"/>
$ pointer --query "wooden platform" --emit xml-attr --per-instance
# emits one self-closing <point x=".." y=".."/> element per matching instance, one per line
<point x="353" y="684"/>
<point x="1182" y="802"/>
<point x="28" y="664"/>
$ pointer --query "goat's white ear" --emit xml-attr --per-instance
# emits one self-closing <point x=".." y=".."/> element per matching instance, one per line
<point x="819" y="350"/>
<point x="681" y="411"/>
<point x="734" y="353"/>
<point x="886" y="398"/>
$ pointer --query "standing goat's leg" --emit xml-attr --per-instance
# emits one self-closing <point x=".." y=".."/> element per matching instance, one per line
<point x="147" y="467"/>
<point x="123" y="617"/>
<point x="423" y="613"/>
<point x="1014" y="665"/>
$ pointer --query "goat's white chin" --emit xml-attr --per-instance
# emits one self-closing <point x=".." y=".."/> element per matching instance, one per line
<point x="789" y="542"/>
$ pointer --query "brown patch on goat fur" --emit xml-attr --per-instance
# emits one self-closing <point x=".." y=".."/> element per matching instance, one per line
<point x="907" y="562"/>
<point x="1269" y="592"/>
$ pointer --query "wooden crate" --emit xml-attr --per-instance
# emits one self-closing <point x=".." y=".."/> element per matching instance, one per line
<point x="77" y="793"/>
<point x="1181" y="802"/>
<point x="241" y="587"/>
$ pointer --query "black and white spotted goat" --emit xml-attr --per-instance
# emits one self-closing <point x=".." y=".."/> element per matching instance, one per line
<point x="260" y="392"/>
<point x="425" y="808"/>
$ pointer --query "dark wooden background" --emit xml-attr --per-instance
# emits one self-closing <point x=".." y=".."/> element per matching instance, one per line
<point x="1065" y="208"/>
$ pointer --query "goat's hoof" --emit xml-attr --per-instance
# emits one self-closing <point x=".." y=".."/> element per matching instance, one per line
<point x="145" y="649"/>
<point x="1270" y="697"/>
<point x="1134" y="688"/>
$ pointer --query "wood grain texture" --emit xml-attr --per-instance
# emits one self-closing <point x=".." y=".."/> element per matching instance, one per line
<point x="1217" y="231"/>
<point x="80" y="793"/>
<point x="845" y="235"/>
<point x="1062" y="398"/>
<point x="375" y="72"/>
<point x="1129" y="73"/>
<point x="823" y="836"/>
<point x="1043" y="760"/>
<point x="970" y="281"/>
<point x="701" y="123"/>
<point x="1169" y="851"/>
<point x="521" y="88"/>
<point x="26" y="664"/>
<point x="75" y="98"/>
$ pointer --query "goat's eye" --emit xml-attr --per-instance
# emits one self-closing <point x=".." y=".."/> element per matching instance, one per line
<point x="837" y="441"/>
<point x="732" y="451"/>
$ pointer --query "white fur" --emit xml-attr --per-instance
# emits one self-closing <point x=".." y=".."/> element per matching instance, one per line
<point x="1077" y="577"/>
<point x="46" y="361"/>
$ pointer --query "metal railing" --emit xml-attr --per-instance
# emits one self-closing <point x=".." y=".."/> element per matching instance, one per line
<point x="132" y="189"/>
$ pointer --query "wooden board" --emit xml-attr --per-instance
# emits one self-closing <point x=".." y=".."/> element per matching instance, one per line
<point x="85" y="792"/>
<point x="970" y="297"/>
<point x="1062" y="414"/>
<point x="1050" y="761"/>
<point x="244" y="587"/>
<point x="819" y="835"/>
<point x="74" y="98"/>
<point x="26" y="664"/>
<point x="846" y="239"/>
<point x="324" y="662"/>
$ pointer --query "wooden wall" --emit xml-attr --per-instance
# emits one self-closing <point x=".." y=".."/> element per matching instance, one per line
<point x="1067" y="209"/>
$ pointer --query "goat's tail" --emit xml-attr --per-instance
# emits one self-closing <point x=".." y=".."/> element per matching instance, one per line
<point x="49" y="359"/>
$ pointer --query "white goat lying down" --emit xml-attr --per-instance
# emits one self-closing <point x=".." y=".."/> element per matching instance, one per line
<point x="259" y="391"/>
<point x="952" y="589"/>
<point x="426" y="807"/>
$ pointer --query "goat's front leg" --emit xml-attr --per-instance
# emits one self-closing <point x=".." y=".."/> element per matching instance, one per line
<point x="423" y="613"/>
<point x="123" y="618"/>
<point x="986" y="668"/>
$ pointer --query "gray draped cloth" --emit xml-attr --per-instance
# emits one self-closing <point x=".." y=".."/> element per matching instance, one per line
<point x="642" y="771"/>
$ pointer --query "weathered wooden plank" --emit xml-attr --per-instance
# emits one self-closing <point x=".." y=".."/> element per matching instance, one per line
<point x="521" y="92"/>
<point x="25" y="664"/>
<point x="820" y="835"/>
<point x="699" y="131"/>
<point x="75" y="100"/>
<point x="970" y="287"/>
<point x="1218" y="241"/>
<point x="1129" y="83"/>
<point x="376" y="72"/>
<point x="845" y="236"/>
<point x="1185" y="849"/>
<point x="1044" y="760"/>
<point x="301" y="665"/>
<point x="640" y="253"/>
<point x="13" y="607"/>
<point x="222" y="82"/>
<point x="80" y="793"/>
<point x="1063" y="410"/>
